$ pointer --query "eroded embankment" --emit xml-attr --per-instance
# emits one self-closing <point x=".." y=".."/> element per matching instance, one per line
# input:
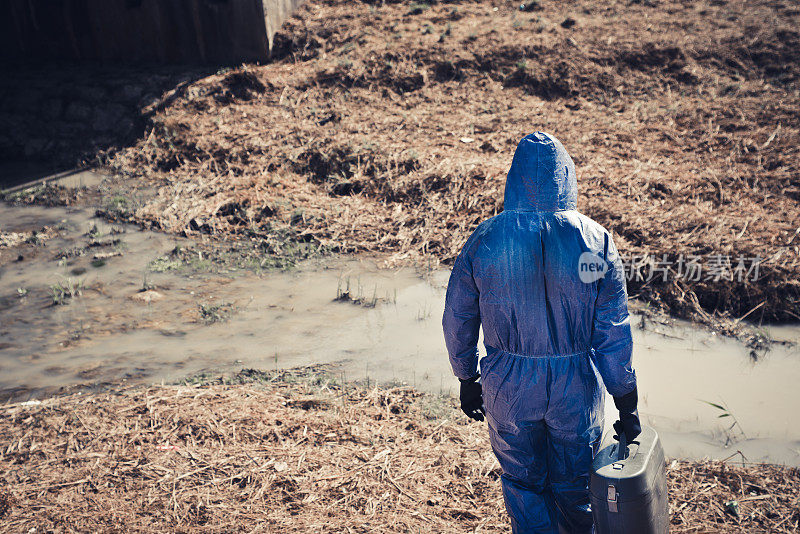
<point x="388" y="127"/>
<point x="305" y="456"/>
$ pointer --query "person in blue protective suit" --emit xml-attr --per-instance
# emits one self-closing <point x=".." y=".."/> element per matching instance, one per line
<point x="547" y="285"/>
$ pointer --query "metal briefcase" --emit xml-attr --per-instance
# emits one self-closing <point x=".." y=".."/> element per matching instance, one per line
<point x="629" y="492"/>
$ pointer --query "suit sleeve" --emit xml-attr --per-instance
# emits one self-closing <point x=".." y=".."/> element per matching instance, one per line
<point x="462" y="319"/>
<point x="612" y="342"/>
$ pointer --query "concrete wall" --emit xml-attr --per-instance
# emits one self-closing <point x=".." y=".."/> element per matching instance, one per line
<point x="166" y="31"/>
<point x="275" y="12"/>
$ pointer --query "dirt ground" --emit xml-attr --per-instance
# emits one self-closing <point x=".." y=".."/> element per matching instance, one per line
<point x="388" y="127"/>
<point x="297" y="452"/>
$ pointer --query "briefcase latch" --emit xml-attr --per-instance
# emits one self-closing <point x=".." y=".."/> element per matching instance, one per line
<point x="612" y="498"/>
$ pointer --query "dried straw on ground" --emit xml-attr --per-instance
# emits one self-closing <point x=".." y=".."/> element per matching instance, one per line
<point x="388" y="128"/>
<point x="284" y="456"/>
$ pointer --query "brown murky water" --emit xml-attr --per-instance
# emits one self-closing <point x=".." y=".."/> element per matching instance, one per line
<point x="114" y="331"/>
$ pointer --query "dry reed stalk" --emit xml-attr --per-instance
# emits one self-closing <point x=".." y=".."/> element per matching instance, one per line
<point x="300" y="457"/>
<point x="380" y="130"/>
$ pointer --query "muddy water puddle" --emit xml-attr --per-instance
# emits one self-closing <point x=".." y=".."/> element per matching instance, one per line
<point x="142" y="314"/>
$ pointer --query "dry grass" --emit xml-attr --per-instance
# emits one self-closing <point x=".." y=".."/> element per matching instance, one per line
<point x="387" y="128"/>
<point x="307" y="456"/>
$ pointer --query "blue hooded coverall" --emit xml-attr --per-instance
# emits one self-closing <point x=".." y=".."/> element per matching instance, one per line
<point x="549" y="332"/>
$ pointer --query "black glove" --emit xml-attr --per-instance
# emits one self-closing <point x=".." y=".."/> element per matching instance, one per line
<point x="628" y="422"/>
<point x="472" y="398"/>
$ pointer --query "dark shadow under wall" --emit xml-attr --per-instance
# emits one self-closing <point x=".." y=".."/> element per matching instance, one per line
<point x="58" y="116"/>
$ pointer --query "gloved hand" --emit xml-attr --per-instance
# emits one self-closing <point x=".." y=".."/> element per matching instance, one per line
<point x="628" y="422"/>
<point x="471" y="396"/>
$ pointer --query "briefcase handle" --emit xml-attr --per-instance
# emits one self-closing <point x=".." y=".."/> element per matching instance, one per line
<point x="623" y="447"/>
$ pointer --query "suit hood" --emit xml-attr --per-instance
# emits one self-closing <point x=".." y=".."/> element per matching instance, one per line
<point x="542" y="176"/>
